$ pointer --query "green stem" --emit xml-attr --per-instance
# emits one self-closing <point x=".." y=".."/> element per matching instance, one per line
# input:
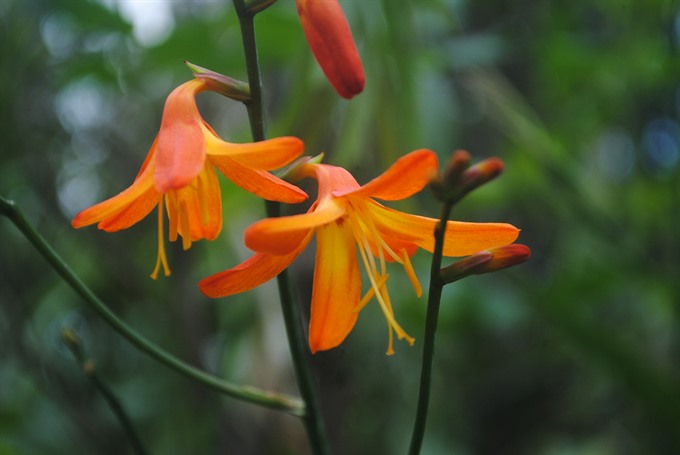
<point x="291" y="311"/>
<point x="72" y="341"/>
<point x="275" y="401"/>
<point x="433" y="302"/>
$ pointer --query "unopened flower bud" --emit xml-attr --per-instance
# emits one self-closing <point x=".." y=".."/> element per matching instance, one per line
<point x="481" y="173"/>
<point x="331" y="42"/>
<point x="224" y="85"/>
<point x="486" y="261"/>
<point x="446" y="185"/>
<point x="459" y="179"/>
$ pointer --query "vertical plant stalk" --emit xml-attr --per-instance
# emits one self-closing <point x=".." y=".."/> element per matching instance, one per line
<point x="291" y="310"/>
<point x="250" y="394"/>
<point x="433" y="303"/>
<point x="72" y="341"/>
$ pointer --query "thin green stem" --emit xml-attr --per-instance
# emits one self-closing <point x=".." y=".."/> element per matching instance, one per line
<point x="291" y="311"/>
<point x="280" y="402"/>
<point x="255" y="105"/>
<point x="433" y="302"/>
<point x="72" y="341"/>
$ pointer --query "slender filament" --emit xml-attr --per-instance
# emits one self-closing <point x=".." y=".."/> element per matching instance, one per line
<point x="161" y="259"/>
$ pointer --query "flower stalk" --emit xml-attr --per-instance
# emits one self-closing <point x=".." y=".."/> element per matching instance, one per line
<point x="457" y="180"/>
<point x="431" y="321"/>
<point x="291" y="310"/>
<point x="280" y="402"/>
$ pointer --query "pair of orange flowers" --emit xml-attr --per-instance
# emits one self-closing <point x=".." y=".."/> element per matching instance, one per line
<point x="178" y="176"/>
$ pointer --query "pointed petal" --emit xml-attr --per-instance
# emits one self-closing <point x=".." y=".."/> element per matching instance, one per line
<point x="279" y="235"/>
<point x="337" y="287"/>
<point x="123" y="210"/>
<point x="408" y="175"/>
<point x="263" y="156"/>
<point x="149" y="156"/>
<point x="461" y="238"/>
<point x="256" y="270"/>
<point x="260" y="183"/>
<point x="132" y="214"/>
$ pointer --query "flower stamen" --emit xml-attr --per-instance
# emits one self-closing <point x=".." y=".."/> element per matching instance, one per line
<point x="161" y="259"/>
<point x="408" y="267"/>
<point x="370" y="294"/>
<point x="380" y="292"/>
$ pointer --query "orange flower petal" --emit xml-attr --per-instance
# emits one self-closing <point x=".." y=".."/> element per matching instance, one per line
<point x="462" y="239"/>
<point x="180" y="153"/>
<point x="149" y="157"/>
<point x="337" y="287"/>
<point x="123" y="210"/>
<point x="180" y="148"/>
<point x="408" y="175"/>
<point x="132" y="214"/>
<point x="256" y="270"/>
<point x="260" y="183"/>
<point x="263" y="156"/>
<point x="279" y="235"/>
<point x="203" y="205"/>
<point x="331" y="179"/>
<point x="395" y="245"/>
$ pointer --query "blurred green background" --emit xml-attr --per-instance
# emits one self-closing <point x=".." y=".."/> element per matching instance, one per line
<point x="575" y="352"/>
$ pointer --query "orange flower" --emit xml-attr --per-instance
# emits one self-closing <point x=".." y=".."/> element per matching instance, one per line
<point x="179" y="173"/>
<point x="346" y="216"/>
<point x="330" y="39"/>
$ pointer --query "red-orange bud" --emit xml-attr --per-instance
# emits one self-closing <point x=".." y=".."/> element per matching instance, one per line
<point x="330" y="39"/>
<point x="459" y="179"/>
<point x="481" y="173"/>
<point x="486" y="261"/>
<point x="446" y="184"/>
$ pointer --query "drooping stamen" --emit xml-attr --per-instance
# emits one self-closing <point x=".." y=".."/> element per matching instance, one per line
<point x="358" y="228"/>
<point x="378" y="290"/>
<point x="388" y="303"/>
<point x="379" y="242"/>
<point x="408" y="267"/>
<point x="369" y="294"/>
<point x="161" y="259"/>
<point x="381" y="246"/>
<point x="390" y="341"/>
